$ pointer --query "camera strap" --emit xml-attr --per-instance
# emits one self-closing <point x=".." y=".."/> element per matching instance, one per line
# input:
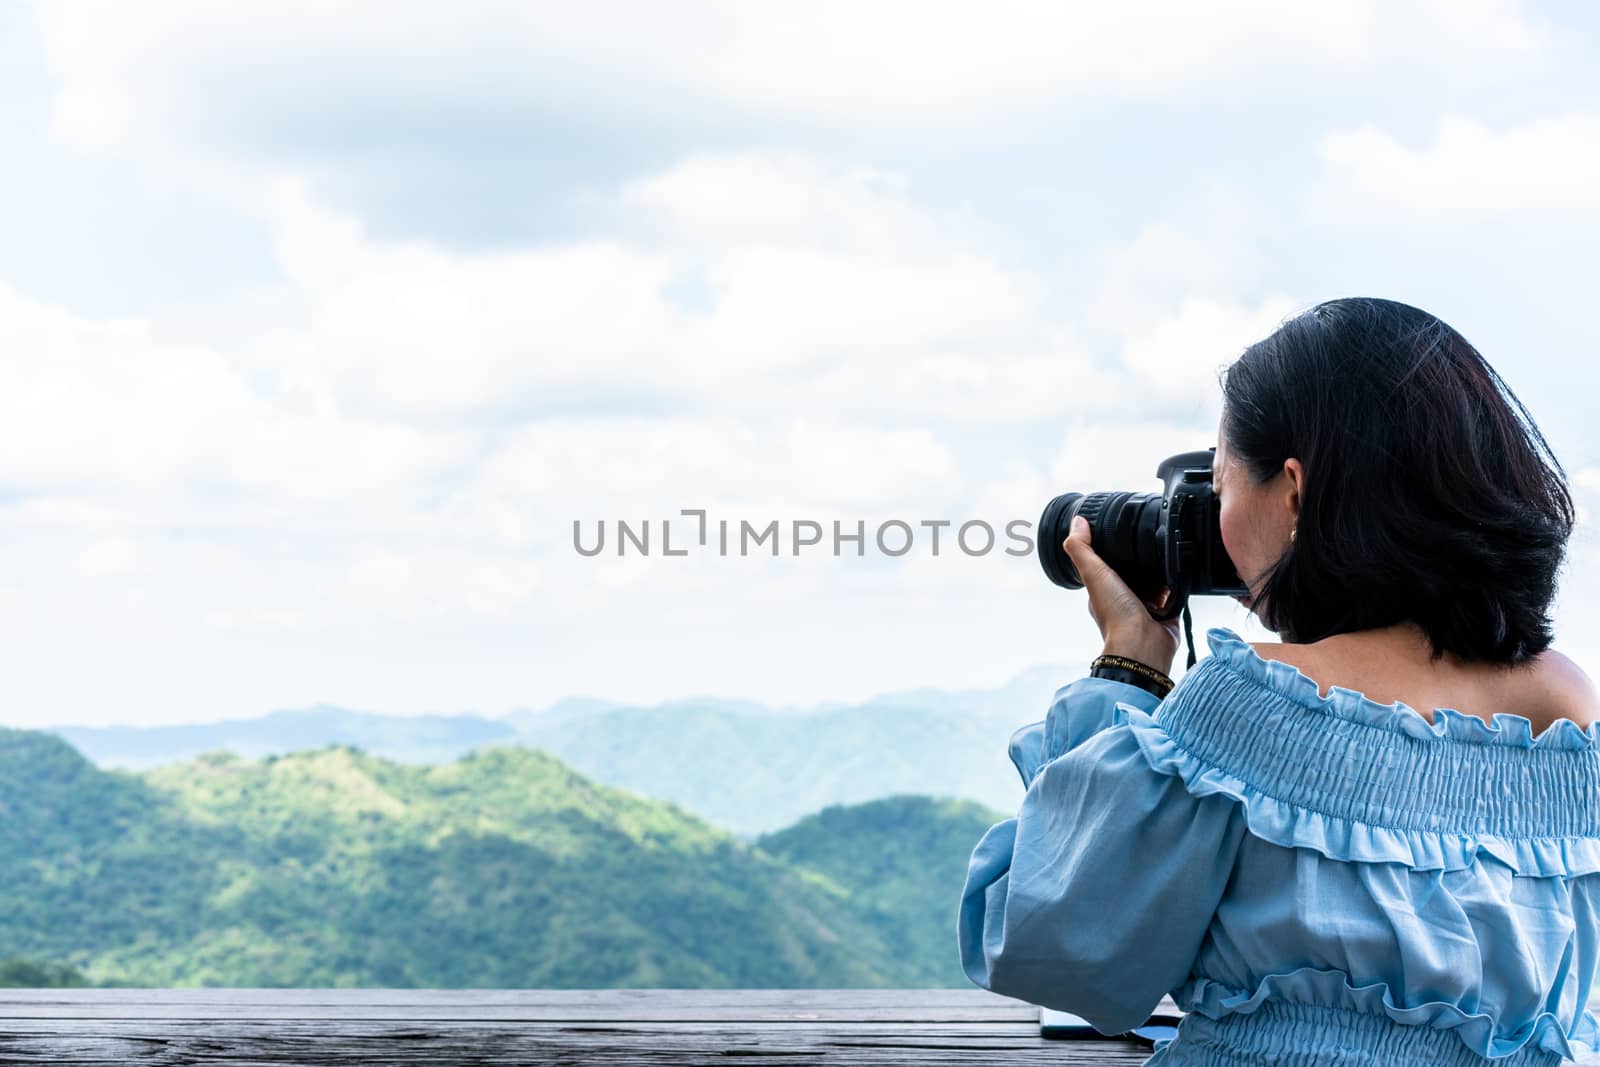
<point x="1188" y="633"/>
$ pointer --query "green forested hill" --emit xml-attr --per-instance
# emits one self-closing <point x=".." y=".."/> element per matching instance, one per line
<point x="504" y="868"/>
<point x="901" y="863"/>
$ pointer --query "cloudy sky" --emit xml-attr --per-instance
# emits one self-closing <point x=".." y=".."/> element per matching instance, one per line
<point x="321" y="324"/>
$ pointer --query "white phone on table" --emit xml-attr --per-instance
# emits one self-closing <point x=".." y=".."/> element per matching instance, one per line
<point x="1064" y="1024"/>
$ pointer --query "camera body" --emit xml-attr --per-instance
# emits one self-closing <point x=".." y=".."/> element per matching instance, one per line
<point x="1172" y="538"/>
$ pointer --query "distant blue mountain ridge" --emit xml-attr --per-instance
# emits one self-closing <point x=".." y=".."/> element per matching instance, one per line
<point x="745" y="766"/>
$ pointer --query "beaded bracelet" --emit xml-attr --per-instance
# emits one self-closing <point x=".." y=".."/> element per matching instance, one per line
<point x="1123" y="669"/>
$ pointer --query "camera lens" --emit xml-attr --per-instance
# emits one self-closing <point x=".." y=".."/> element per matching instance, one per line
<point x="1122" y="530"/>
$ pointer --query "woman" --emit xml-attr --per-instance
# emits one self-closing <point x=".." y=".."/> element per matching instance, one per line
<point x="1378" y="841"/>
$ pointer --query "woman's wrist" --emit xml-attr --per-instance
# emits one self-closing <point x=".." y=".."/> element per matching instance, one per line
<point x="1131" y="672"/>
<point x="1157" y="658"/>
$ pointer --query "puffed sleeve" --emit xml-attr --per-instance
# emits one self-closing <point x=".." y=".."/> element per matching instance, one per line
<point x="1096" y="897"/>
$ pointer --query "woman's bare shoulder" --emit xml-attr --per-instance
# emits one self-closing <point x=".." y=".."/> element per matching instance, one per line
<point x="1301" y="657"/>
<point x="1271" y="649"/>
<point x="1294" y="655"/>
<point x="1548" y="687"/>
<point x="1567" y="686"/>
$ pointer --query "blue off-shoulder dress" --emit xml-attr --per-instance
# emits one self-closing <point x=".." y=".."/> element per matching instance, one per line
<point x="1316" y="880"/>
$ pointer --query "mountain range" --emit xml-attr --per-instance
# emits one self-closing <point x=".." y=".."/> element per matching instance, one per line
<point x="502" y="868"/>
<point x="747" y="767"/>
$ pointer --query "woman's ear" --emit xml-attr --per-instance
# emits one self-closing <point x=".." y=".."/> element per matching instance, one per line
<point x="1296" y="473"/>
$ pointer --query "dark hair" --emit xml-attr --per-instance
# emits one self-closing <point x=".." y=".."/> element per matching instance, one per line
<point x="1429" y="494"/>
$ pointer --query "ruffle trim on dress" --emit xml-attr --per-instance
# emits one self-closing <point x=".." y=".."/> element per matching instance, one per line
<point x="1282" y="823"/>
<point x="1332" y="989"/>
<point x="1448" y="724"/>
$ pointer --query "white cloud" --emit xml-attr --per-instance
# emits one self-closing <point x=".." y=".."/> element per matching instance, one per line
<point x="107" y="556"/>
<point x="1215" y="258"/>
<point x="404" y="585"/>
<point x="185" y="70"/>
<point x="1545" y="168"/>
<point x="414" y="328"/>
<point x="113" y="407"/>
<point x="105" y="402"/>
<point x="1586" y="482"/>
<point x="1172" y="303"/>
<point x="550" y="472"/>
<point x="1180" y="356"/>
<point x="1123" y="456"/>
<point x="823" y="286"/>
<point x="783" y="198"/>
<point x="1060" y="377"/>
<point x="790" y="307"/>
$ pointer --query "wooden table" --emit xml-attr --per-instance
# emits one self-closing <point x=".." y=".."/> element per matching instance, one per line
<point x="770" y="1027"/>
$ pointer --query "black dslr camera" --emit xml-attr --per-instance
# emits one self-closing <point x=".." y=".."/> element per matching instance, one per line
<point x="1172" y="538"/>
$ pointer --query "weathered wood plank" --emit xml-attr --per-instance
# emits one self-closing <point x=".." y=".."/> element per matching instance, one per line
<point x="685" y="1005"/>
<point x="342" y="1042"/>
<point x="251" y="1027"/>
<point x="619" y="1027"/>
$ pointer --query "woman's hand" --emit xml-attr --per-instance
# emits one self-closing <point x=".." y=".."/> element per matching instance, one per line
<point x="1124" y="620"/>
